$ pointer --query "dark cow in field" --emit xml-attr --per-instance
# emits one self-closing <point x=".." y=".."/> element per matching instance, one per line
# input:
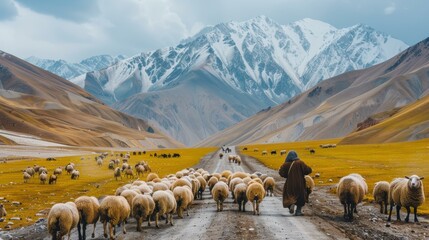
<point x="274" y="152"/>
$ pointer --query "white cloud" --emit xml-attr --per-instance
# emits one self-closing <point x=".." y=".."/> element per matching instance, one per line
<point x="390" y="9"/>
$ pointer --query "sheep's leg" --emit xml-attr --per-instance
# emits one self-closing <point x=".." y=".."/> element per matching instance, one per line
<point x="139" y="224"/>
<point x="84" y="230"/>
<point x="244" y="206"/>
<point x="345" y="211"/>
<point x="111" y="231"/>
<point x="398" y="215"/>
<point x="105" y="229"/>
<point x="93" y="231"/>
<point x="257" y="208"/>
<point x="390" y="213"/>
<point x="180" y="212"/>
<point x="171" y="219"/>
<point x="385" y="208"/>
<point x="381" y="207"/>
<point x="408" y="214"/>
<point x="156" y="220"/>
<point x="187" y="211"/>
<point x="148" y="220"/>
<point x="79" y="232"/>
<point x="239" y="206"/>
<point x="254" y="207"/>
<point x="124" y="231"/>
<point x="352" y="210"/>
<point x="415" y="215"/>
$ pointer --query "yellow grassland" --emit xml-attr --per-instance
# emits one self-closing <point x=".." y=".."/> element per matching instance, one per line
<point x="375" y="162"/>
<point x="94" y="180"/>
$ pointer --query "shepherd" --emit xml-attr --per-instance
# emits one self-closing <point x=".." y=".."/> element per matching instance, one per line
<point x="294" y="170"/>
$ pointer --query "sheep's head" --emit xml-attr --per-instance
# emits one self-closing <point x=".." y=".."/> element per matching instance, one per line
<point x="414" y="181"/>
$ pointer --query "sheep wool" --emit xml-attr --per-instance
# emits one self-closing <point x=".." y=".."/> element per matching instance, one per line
<point x="220" y="193"/>
<point x="309" y="186"/>
<point x="255" y="194"/>
<point x="88" y="214"/>
<point x="240" y="196"/>
<point x="62" y="218"/>
<point x="142" y="208"/>
<point x="350" y="190"/>
<point x="184" y="197"/>
<point x="381" y="195"/>
<point x="406" y="192"/>
<point x="114" y="210"/>
<point x="165" y="203"/>
<point x="269" y="184"/>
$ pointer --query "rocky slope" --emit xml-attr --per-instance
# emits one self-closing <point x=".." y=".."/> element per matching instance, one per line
<point x="334" y="107"/>
<point x="38" y="105"/>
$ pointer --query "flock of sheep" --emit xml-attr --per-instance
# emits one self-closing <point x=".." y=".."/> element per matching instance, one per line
<point x="151" y="199"/>
<point x="42" y="171"/>
<point x="401" y="192"/>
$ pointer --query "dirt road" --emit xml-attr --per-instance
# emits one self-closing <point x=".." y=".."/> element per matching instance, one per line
<point x="322" y="218"/>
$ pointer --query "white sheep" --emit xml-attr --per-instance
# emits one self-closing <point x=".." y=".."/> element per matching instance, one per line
<point x="69" y="168"/>
<point x="117" y="173"/>
<point x="99" y="161"/>
<point x="309" y="186"/>
<point x="114" y="210"/>
<point x="88" y="208"/>
<point x="381" y="195"/>
<point x="240" y="196"/>
<point x="142" y="208"/>
<point x="165" y="203"/>
<point x="129" y="195"/>
<point x="269" y="184"/>
<point x="181" y="182"/>
<point x="75" y="174"/>
<point x="406" y="192"/>
<point x="184" y="197"/>
<point x="62" y="218"/>
<point x="119" y="190"/>
<point x="220" y="193"/>
<point x="232" y="184"/>
<point x="30" y="171"/>
<point x="351" y="190"/>
<point x="43" y="177"/>
<point x="255" y="194"/>
<point x="43" y="169"/>
<point x="161" y="186"/>
<point x="58" y="171"/>
<point x="26" y="177"/>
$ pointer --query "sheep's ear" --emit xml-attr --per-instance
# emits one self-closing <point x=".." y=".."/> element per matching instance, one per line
<point x="407" y="177"/>
<point x="421" y="178"/>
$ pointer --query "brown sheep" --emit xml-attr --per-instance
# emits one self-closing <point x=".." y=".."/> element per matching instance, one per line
<point x="212" y="182"/>
<point x="184" y="197"/>
<point x="220" y="193"/>
<point x="53" y="179"/>
<point x="309" y="186"/>
<point x="151" y="176"/>
<point x="351" y="191"/>
<point x="203" y="185"/>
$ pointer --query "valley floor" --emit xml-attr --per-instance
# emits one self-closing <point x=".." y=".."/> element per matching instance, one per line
<point x="322" y="220"/>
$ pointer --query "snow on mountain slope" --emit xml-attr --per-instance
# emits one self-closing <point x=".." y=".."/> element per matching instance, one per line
<point x="70" y="70"/>
<point x="334" y="107"/>
<point x="259" y="58"/>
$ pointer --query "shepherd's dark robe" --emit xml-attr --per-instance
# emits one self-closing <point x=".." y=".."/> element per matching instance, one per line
<point x="294" y="188"/>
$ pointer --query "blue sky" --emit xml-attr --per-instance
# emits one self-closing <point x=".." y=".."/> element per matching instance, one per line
<point x="75" y="29"/>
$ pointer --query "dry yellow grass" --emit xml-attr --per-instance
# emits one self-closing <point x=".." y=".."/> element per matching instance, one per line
<point x="375" y="162"/>
<point x="93" y="181"/>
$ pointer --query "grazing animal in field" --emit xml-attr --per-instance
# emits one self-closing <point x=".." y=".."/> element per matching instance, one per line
<point x="350" y="190"/>
<point x="406" y="192"/>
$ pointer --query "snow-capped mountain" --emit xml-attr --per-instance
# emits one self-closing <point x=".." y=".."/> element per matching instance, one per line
<point x="258" y="59"/>
<point x="70" y="70"/>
